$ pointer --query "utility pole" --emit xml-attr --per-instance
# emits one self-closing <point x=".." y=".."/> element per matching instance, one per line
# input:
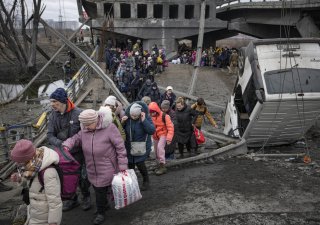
<point x="199" y="48"/>
<point x="60" y="17"/>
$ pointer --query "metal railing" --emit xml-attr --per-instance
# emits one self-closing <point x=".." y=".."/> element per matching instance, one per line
<point x="225" y="3"/>
<point x="10" y="134"/>
<point x="297" y="3"/>
<point x="80" y="78"/>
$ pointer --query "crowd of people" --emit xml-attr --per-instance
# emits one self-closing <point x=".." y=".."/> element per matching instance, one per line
<point x="212" y="57"/>
<point x="132" y="67"/>
<point x="103" y="143"/>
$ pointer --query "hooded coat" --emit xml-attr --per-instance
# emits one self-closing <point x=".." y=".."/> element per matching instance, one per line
<point x="46" y="206"/>
<point x="103" y="149"/>
<point x="162" y="129"/>
<point x="115" y="121"/>
<point x="140" y="131"/>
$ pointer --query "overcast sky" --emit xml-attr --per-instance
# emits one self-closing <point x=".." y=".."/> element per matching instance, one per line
<point x="69" y="9"/>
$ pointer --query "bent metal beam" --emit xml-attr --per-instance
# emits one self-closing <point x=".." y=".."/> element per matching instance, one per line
<point x="88" y="60"/>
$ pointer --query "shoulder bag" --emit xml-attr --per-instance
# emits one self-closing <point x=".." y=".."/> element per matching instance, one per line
<point x="138" y="148"/>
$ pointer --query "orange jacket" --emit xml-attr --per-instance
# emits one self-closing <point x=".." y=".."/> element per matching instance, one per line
<point x="162" y="129"/>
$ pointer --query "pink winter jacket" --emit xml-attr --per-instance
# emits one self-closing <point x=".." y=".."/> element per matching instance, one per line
<point x="103" y="149"/>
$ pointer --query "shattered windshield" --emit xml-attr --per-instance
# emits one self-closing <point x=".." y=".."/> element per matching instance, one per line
<point x="301" y="80"/>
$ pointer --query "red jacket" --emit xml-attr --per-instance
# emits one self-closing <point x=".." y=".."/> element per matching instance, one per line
<point x="162" y="129"/>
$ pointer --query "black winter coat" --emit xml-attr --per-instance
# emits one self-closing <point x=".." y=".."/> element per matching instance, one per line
<point x="183" y="129"/>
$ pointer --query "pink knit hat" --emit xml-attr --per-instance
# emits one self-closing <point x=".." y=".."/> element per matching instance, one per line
<point x="88" y="116"/>
<point x="23" y="151"/>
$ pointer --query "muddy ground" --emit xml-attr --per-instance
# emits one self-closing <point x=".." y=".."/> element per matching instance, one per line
<point x="235" y="191"/>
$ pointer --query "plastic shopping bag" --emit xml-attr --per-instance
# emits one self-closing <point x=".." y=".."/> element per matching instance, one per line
<point x="199" y="136"/>
<point x="125" y="188"/>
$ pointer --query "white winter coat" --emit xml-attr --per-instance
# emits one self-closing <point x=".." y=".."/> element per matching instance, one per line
<point x="46" y="206"/>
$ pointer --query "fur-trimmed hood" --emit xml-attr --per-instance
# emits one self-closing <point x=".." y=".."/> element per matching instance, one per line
<point x="104" y="117"/>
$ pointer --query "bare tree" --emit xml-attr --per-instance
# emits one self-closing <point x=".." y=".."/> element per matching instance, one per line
<point x="14" y="44"/>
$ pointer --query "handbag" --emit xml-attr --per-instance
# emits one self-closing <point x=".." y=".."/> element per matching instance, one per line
<point x="138" y="148"/>
<point x="200" y="139"/>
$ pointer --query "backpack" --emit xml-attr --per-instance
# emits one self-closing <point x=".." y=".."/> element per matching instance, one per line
<point x="164" y="118"/>
<point x="68" y="170"/>
<point x="169" y="149"/>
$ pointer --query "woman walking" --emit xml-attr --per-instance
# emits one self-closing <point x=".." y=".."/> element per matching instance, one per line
<point x="184" y="135"/>
<point x="104" y="153"/>
<point x="162" y="136"/>
<point x="45" y="202"/>
<point x="138" y="127"/>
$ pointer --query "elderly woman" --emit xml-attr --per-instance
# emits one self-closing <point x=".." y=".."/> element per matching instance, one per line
<point x="104" y="153"/>
<point x="46" y="205"/>
<point x="185" y="119"/>
<point x="115" y="106"/>
<point x="138" y="127"/>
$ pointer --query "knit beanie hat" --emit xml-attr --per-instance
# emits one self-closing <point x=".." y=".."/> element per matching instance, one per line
<point x="111" y="100"/>
<point x="146" y="99"/>
<point x="135" y="109"/>
<point x="165" y="104"/>
<point x="60" y="95"/>
<point x="23" y="151"/>
<point x="88" y="116"/>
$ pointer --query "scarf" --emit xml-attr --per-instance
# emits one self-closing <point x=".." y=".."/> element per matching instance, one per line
<point x="31" y="169"/>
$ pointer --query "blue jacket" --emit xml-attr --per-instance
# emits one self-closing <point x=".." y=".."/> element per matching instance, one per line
<point x="139" y="132"/>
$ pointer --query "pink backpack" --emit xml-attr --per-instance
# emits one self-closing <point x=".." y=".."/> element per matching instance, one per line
<point x="69" y="172"/>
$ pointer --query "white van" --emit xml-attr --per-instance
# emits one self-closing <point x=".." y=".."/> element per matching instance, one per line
<point x="276" y="98"/>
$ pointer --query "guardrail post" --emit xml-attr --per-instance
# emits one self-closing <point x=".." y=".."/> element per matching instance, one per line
<point x="4" y="144"/>
<point x="29" y="131"/>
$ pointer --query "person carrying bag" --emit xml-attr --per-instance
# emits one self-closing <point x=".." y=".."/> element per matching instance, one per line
<point x="138" y="127"/>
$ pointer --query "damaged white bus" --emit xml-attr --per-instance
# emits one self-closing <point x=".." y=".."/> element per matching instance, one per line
<point x="276" y="98"/>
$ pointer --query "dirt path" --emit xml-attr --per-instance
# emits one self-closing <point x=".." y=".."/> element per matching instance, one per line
<point x="237" y="191"/>
<point x="212" y="84"/>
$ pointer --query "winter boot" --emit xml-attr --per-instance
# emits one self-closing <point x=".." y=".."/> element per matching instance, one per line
<point x="86" y="203"/>
<point x="99" y="219"/>
<point x="162" y="169"/>
<point x="145" y="186"/>
<point x="145" y="176"/>
<point x="70" y="204"/>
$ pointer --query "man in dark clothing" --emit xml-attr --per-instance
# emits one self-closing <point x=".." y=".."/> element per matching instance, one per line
<point x="64" y="123"/>
<point x="146" y="89"/>
<point x="129" y="45"/>
<point x="155" y="93"/>
<point x="108" y="57"/>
